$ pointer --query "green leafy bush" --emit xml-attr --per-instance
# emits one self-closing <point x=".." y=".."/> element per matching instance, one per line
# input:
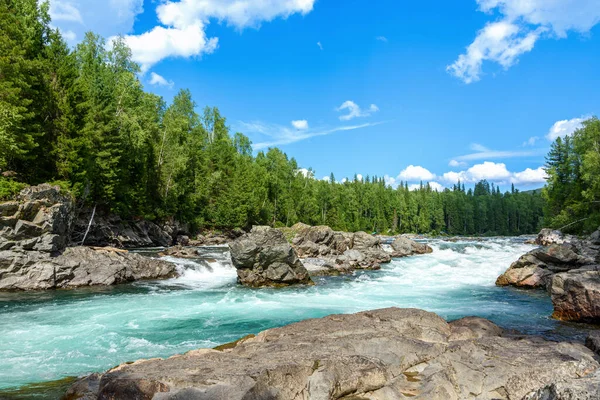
<point x="10" y="188"/>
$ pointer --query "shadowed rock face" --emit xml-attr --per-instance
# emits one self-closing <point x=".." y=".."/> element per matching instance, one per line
<point x="384" y="354"/>
<point x="264" y="258"/>
<point x="576" y="294"/>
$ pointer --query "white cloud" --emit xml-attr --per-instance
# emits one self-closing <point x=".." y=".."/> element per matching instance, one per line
<point x="530" y="176"/>
<point x="501" y="42"/>
<point x="382" y="39"/>
<point x="156" y="79"/>
<point x="69" y="36"/>
<point x="320" y="45"/>
<point x="326" y="178"/>
<point x="483" y="153"/>
<point x="414" y="173"/>
<point x="355" y="111"/>
<point x="564" y="128"/>
<point x="521" y="25"/>
<point x="65" y="11"/>
<point x="359" y="177"/>
<point x="307" y="173"/>
<point x="531" y="141"/>
<point x="276" y="135"/>
<point x="300" y="124"/>
<point x="182" y="32"/>
<point x="106" y="18"/>
<point x="497" y="173"/>
<point x="160" y="43"/>
<point x="456" y="164"/>
<point x="434" y="186"/>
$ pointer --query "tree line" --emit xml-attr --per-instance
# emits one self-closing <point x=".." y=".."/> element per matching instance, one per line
<point x="80" y="118"/>
<point x="573" y="190"/>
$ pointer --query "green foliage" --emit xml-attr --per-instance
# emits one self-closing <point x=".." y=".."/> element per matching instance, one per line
<point x="10" y="188"/>
<point x="81" y="119"/>
<point x="573" y="191"/>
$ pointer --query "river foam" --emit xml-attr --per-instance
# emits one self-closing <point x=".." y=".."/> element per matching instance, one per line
<point x="50" y="335"/>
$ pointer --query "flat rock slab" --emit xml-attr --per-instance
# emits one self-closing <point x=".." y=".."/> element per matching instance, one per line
<point x="384" y="354"/>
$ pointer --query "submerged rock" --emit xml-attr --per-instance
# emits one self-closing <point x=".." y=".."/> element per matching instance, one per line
<point x="263" y="257"/>
<point x="77" y="267"/>
<point x="384" y="354"/>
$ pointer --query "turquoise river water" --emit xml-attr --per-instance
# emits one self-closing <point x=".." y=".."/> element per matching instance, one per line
<point x="55" y="334"/>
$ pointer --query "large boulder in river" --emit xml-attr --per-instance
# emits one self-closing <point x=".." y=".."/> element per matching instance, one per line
<point x="263" y="257"/>
<point x="536" y="268"/>
<point x="77" y="267"/>
<point x="404" y="247"/>
<point x="388" y="354"/>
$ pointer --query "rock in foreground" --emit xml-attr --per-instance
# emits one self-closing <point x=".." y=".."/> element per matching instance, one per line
<point x="263" y="257"/>
<point x="379" y="355"/>
<point x="576" y="295"/>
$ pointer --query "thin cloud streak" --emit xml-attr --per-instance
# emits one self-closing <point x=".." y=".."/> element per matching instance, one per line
<point x="282" y="135"/>
<point x="495" y="155"/>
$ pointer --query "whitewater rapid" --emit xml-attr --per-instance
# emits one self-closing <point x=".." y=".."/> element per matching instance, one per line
<point x="50" y="335"/>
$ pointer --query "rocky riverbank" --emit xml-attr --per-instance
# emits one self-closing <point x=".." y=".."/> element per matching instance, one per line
<point x="383" y="354"/>
<point x="568" y="268"/>
<point x="34" y="234"/>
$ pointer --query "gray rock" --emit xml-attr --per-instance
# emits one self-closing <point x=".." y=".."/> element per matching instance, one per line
<point x="586" y="388"/>
<point x="111" y="230"/>
<point x="363" y="241"/>
<point x="536" y="268"/>
<point x="404" y="247"/>
<point x="592" y="342"/>
<point x="576" y="295"/>
<point x="263" y="257"/>
<point x="547" y="237"/>
<point x="385" y="354"/>
<point x="77" y="267"/>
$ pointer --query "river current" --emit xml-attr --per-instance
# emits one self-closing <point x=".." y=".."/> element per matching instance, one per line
<point x="55" y="334"/>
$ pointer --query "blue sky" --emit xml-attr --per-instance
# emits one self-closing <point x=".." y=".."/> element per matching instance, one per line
<point x="434" y="91"/>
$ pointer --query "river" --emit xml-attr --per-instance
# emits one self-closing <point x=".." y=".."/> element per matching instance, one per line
<point x="54" y="334"/>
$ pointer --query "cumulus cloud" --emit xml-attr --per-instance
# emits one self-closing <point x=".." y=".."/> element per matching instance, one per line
<point x="182" y="29"/>
<point x="564" y="128"/>
<point x="522" y="24"/>
<point x="456" y="164"/>
<point x="433" y="185"/>
<point x="415" y="173"/>
<point x="158" y="80"/>
<point x="354" y="111"/>
<point x="300" y="124"/>
<point x="498" y="173"/>
<point x="276" y="135"/>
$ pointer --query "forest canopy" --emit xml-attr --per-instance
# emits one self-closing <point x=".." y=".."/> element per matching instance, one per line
<point x="80" y="117"/>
